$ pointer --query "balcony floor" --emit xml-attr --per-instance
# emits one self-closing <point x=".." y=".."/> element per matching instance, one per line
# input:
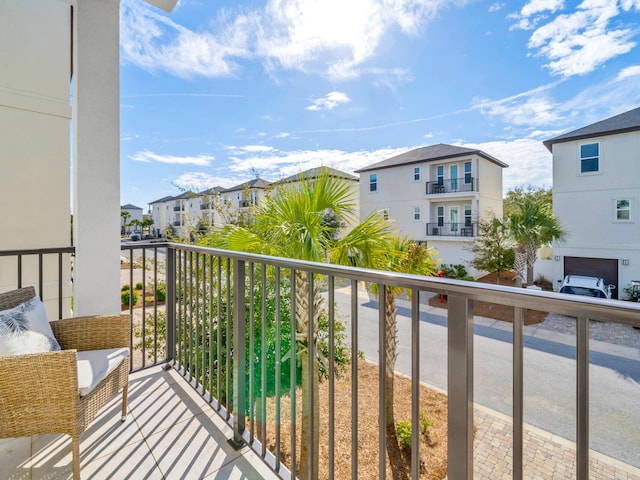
<point x="170" y="433"/>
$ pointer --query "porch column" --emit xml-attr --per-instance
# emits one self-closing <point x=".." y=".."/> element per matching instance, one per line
<point x="96" y="157"/>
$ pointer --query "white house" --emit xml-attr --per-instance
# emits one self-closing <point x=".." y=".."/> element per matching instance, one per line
<point x="435" y="194"/>
<point x="235" y="201"/>
<point x="596" y="195"/>
<point x="135" y="213"/>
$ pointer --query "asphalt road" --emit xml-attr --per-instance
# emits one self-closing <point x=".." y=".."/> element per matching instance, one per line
<point x="549" y="376"/>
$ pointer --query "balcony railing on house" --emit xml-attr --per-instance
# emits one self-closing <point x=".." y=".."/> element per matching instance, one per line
<point x="441" y="229"/>
<point x="176" y="223"/>
<point x="452" y="185"/>
<point x="179" y="208"/>
<point x="233" y="322"/>
<point x="205" y="206"/>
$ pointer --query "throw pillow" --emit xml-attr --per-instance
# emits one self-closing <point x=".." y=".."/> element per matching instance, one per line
<point x="25" y="329"/>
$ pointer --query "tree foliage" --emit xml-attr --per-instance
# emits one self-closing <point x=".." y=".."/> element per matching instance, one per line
<point x="493" y="248"/>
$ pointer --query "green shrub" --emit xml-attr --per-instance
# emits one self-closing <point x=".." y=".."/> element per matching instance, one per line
<point x="403" y="432"/>
<point x="425" y="424"/>
<point x="125" y="288"/>
<point x="161" y="292"/>
<point x="457" y="271"/>
<point x="139" y="286"/>
<point x="128" y="296"/>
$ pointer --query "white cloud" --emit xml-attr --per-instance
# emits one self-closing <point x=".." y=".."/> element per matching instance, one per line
<point x="147" y="156"/>
<point x="330" y="37"/>
<point x="249" y="149"/>
<point x="496" y="7"/>
<point x="282" y="135"/>
<point x="330" y="101"/>
<point x="532" y="108"/>
<point x="528" y="159"/>
<point x="196" y="181"/>
<point x="579" y="42"/>
<point x="629" y="72"/>
<point x="154" y="42"/>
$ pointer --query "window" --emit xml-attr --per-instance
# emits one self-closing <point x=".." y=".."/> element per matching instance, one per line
<point x="453" y="177"/>
<point x="416" y="174"/>
<point x="454" y="218"/>
<point x="589" y="158"/>
<point x="623" y="210"/>
<point x="417" y="214"/>
<point x="467" y="215"/>
<point x="441" y="216"/>
<point x="467" y="172"/>
<point x="440" y="175"/>
<point x="373" y="182"/>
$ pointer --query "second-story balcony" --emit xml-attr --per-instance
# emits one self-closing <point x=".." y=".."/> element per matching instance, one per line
<point x="225" y="335"/>
<point x="205" y="206"/>
<point x="441" y="229"/>
<point x="178" y="208"/>
<point x="176" y="223"/>
<point x="452" y="185"/>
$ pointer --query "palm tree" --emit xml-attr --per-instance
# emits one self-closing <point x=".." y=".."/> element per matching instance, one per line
<point x="532" y="224"/>
<point x="293" y="224"/>
<point x="405" y="256"/>
<point x="125" y="216"/>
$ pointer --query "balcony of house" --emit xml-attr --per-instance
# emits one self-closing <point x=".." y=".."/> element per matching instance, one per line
<point x="205" y="206"/>
<point x="221" y="359"/>
<point x="178" y="208"/>
<point x="176" y="223"/>
<point x="453" y="185"/>
<point x="441" y="229"/>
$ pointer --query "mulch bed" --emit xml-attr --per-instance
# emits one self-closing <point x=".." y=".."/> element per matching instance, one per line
<point x="494" y="310"/>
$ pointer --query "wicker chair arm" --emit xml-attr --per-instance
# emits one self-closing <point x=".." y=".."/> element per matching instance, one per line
<point x="93" y="333"/>
<point x="39" y="394"/>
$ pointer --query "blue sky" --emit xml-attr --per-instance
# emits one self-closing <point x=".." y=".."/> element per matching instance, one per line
<point x="217" y="92"/>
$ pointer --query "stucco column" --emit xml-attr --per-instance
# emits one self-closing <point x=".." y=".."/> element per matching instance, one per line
<point x="96" y="157"/>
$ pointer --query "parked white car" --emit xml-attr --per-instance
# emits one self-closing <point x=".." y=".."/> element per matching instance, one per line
<point x="587" y="286"/>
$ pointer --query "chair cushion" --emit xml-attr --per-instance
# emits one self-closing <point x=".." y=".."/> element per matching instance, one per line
<point x="95" y="365"/>
<point x="25" y="329"/>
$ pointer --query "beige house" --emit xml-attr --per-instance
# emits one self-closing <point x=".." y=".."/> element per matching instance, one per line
<point x="435" y="194"/>
<point x="596" y="195"/>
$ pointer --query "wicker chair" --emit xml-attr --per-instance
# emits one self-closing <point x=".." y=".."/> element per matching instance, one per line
<point x="39" y="392"/>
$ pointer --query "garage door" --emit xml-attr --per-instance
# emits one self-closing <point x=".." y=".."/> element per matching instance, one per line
<point x="606" y="268"/>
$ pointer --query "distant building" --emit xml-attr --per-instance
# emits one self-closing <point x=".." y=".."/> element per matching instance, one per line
<point x="435" y="194"/>
<point x="596" y="195"/>
<point x="135" y="213"/>
<point x="235" y="201"/>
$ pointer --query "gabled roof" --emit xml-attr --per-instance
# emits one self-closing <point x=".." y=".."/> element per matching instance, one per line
<point x="128" y="206"/>
<point x="432" y="153"/>
<point x="212" y="191"/>
<point x="255" y="183"/>
<point x="624" y="122"/>
<point x="184" y="196"/>
<point x="162" y="200"/>
<point x="315" y="172"/>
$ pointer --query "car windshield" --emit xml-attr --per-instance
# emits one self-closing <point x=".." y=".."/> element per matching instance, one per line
<point x="587" y="292"/>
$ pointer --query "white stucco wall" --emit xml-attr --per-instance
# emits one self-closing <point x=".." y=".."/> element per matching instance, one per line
<point x="586" y="204"/>
<point x="35" y="114"/>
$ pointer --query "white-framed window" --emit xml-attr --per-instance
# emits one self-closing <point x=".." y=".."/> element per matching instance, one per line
<point x="417" y="214"/>
<point x="467" y="215"/>
<point x="453" y="214"/>
<point x="622" y="210"/>
<point x="440" y="215"/>
<point x="373" y="182"/>
<point x="590" y="158"/>
<point x="467" y="172"/>
<point x="453" y="177"/>
<point x="416" y="174"/>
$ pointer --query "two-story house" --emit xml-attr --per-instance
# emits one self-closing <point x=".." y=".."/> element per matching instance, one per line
<point x="435" y="194"/>
<point x="596" y="190"/>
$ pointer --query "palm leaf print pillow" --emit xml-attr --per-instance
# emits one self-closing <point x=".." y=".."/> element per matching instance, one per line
<point x="25" y="329"/>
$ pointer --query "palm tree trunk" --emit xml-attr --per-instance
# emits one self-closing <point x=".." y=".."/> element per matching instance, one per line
<point x="391" y="353"/>
<point x="519" y="265"/>
<point x="531" y="259"/>
<point x="308" y="466"/>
